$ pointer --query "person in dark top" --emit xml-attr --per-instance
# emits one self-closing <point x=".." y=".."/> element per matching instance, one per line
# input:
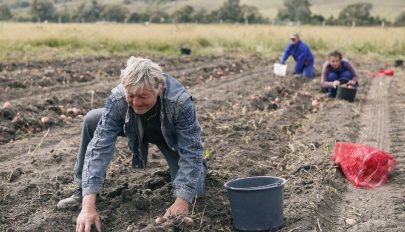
<point x="337" y="71"/>
<point x="302" y="56"/>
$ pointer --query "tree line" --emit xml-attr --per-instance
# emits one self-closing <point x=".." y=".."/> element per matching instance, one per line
<point x="353" y="14"/>
<point x="231" y="11"/>
<point x="44" y="10"/>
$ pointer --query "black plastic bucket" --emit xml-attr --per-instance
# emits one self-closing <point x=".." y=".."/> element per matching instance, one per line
<point x="344" y="93"/>
<point x="185" y="51"/>
<point x="256" y="202"/>
<point x="398" y="63"/>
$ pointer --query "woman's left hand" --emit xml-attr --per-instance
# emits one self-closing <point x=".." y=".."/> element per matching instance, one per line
<point x="351" y="82"/>
<point x="178" y="208"/>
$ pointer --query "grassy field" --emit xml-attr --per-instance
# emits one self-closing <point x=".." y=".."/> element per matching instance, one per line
<point x="47" y="41"/>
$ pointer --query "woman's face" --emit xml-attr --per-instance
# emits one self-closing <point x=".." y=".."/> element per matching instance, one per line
<point x="334" y="61"/>
<point x="140" y="99"/>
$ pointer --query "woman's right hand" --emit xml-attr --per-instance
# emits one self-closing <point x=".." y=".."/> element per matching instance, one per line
<point x="335" y="84"/>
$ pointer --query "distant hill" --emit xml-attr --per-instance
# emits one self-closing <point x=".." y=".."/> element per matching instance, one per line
<point x="388" y="9"/>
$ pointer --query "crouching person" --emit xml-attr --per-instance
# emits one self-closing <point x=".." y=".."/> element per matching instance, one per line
<point x="302" y="55"/>
<point x="335" y="72"/>
<point x="147" y="107"/>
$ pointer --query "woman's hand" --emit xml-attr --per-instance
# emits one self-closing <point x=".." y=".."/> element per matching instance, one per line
<point x="351" y="82"/>
<point x="178" y="208"/>
<point x="335" y="84"/>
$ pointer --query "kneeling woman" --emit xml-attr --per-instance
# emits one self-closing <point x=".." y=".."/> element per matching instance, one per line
<point x="337" y="71"/>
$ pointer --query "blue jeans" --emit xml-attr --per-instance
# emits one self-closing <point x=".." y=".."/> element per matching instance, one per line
<point x="308" y="71"/>
<point x="343" y="77"/>
<point x="90" y="122"/>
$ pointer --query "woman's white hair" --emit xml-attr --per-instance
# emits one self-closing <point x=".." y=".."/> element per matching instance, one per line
<point x="140" y="73"/>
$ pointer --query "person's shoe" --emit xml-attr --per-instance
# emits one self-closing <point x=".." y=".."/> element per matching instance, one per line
<point x="73" y="201"/>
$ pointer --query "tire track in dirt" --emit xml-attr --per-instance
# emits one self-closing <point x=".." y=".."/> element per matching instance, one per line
<point x="376" y="115"/>
<point x="382" y="208"/>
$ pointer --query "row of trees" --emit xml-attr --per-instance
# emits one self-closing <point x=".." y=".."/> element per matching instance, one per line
<point x="357" y="13"/>
<point x="230" y="12"/>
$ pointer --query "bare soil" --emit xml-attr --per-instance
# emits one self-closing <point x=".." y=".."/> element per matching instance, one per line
<point x="254" y="123"/>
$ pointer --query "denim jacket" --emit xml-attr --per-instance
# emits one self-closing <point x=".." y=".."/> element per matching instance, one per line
<point x="180" y="129"/>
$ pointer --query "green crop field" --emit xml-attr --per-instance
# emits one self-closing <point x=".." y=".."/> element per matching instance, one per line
<point x="43" y="41"/>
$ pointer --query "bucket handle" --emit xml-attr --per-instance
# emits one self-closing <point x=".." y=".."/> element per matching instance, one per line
<point x="266" y="186"/>
<point x="259" y="187"/>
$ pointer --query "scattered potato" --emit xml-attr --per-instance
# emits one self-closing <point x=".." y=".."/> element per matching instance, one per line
<point x="74" y="111"/>
<point x="7" y="105"/>
<point x="188" y="220"/>
<point x="315" y="103"/>
<point x="45" y="120"/>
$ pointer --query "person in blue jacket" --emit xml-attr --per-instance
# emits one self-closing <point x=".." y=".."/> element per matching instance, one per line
<point x="302" y="56"/>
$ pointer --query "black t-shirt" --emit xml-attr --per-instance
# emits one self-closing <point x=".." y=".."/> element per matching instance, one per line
<point x="152" y="125"/>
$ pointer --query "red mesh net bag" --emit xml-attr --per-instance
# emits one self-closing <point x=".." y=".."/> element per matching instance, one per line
<point x="363" y="165"/>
